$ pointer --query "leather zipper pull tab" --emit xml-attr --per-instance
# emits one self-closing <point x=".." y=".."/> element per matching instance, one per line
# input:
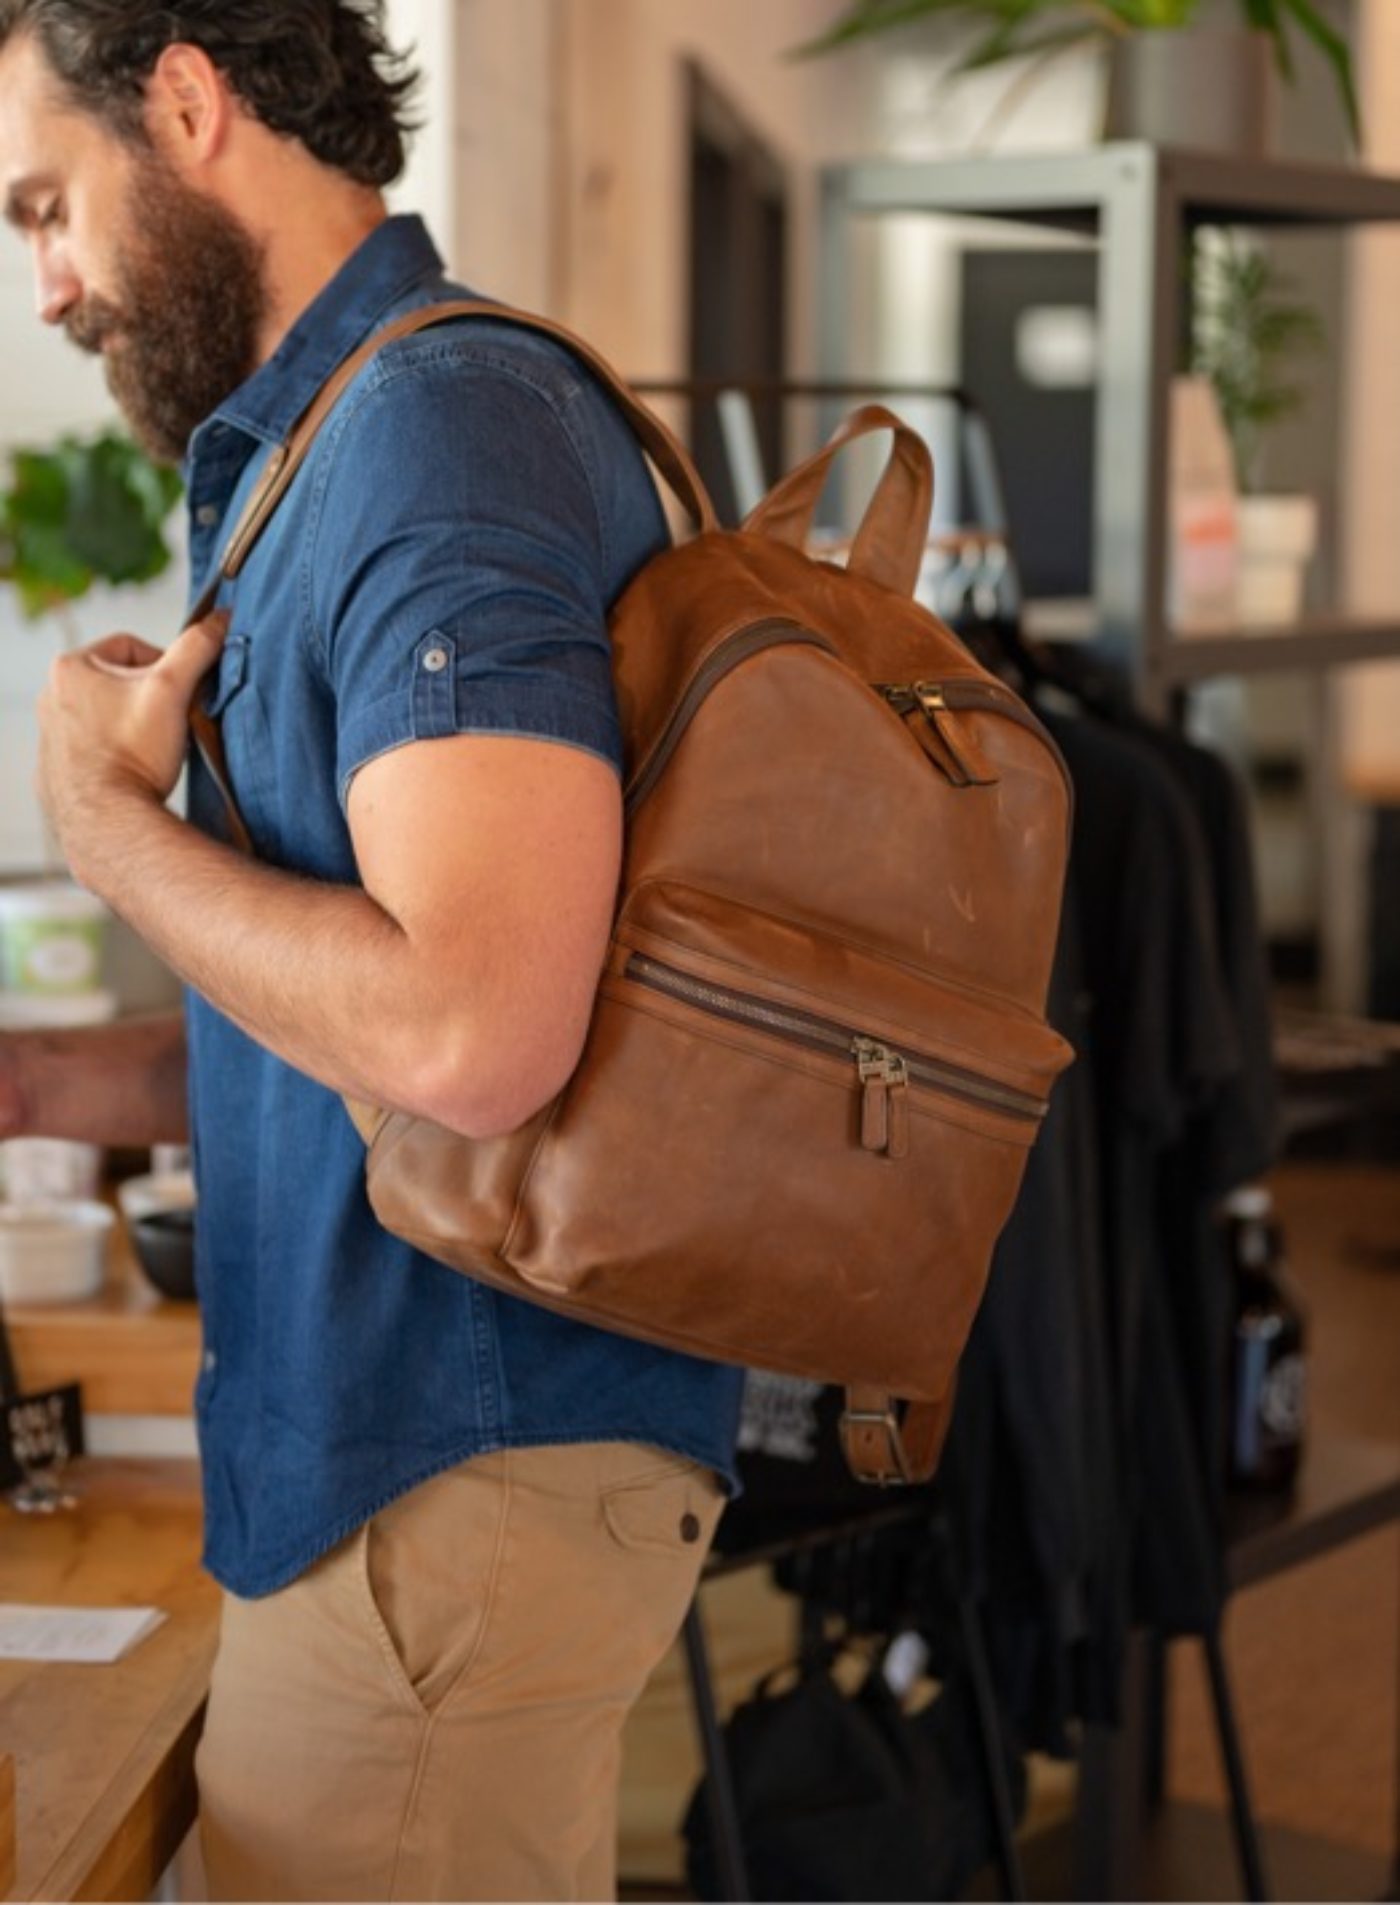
<point x="874" y="1095"/>
<point x="875" y="1116"/>
<point x="884" y="1103"/>
<point x="897" y="1098"/>
<point x="971" y="766"/>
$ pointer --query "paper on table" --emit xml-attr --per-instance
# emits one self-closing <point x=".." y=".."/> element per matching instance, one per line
<point x="94" y="1636"/>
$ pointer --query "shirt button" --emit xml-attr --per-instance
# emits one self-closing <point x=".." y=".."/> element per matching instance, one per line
<point x="435" y="660"/>
<point x="206" y="516"/>
<point x="690" y="1528"/>
<point x="211" y="1361"/>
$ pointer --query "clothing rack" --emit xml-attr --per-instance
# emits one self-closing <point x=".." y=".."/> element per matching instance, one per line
<point x="934" y="1520"/>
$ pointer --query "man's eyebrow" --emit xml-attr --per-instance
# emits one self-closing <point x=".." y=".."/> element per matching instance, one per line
<point x="22" y="190"/>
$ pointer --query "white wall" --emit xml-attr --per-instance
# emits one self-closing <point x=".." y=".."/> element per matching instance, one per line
<point x="427" y="31"/>
<point x="573" y="156"/>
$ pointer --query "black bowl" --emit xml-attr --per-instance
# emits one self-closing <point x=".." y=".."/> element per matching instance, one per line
<point x="164" y="1241"/>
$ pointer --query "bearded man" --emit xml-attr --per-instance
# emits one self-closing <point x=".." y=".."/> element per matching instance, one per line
<point x="456" y="1533"/>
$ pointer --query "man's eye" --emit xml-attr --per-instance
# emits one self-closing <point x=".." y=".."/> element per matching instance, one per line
<point x="47" y="216"/>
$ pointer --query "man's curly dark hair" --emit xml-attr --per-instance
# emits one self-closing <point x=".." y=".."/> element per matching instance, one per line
<point x="321" y="71"/>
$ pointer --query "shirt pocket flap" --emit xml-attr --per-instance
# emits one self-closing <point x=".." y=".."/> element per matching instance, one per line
<point x="232" y="674"/>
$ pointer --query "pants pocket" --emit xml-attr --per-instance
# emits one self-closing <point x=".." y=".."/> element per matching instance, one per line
<point x="670" y="1511"/>
<point x="427" y="1567"/>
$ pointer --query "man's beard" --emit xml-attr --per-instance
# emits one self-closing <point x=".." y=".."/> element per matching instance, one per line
<point x="182" y="331"/>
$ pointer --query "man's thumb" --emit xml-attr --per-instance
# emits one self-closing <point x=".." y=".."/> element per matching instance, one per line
<point x="190" y="657"/>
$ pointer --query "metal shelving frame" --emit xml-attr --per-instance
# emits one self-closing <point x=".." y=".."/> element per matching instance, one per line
<point x="1140" y="202"/>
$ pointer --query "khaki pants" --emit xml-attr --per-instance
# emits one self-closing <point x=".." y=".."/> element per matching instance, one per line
<point x="435" y="1710"/>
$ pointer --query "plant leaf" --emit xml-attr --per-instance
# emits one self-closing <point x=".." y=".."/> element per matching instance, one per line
<point x="1003" y="45"/>
<point x="1335" y="50"/>
<point x="81" y="513"/>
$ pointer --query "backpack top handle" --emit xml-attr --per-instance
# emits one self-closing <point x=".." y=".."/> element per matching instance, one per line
<point x="890" y="543"/>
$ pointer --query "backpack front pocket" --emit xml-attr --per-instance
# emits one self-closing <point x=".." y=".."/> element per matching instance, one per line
<point x="779" y="1138"/>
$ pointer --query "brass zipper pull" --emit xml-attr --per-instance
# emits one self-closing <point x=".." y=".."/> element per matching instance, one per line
<point x="884" y="1107"/>
<point x="939" y="732"/>
<point x="972" y="768"/>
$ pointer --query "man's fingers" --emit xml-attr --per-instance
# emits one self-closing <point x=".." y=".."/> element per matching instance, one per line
<point x="189" y="659"/>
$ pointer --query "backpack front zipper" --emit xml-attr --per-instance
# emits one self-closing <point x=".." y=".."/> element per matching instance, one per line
<point x="883" y="1074"/>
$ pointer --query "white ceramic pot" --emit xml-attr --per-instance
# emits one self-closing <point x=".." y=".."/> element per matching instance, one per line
<point x="53" y="1254"/>
<point x="1278" y="539"/>
<point x="51" y="939"/>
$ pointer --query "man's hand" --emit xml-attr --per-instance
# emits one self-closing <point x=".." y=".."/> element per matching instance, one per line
<point x="114" y="728"/>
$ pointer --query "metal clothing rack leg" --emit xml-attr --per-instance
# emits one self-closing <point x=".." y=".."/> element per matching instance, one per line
<point x="1241" y="1805"/>
<point x="992" y="1749"/>
<point x="725" y="1831"/>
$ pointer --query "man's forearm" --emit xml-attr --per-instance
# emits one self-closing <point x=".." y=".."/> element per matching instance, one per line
<point x="118" y="1084"/>
<point x="319" y="974"/>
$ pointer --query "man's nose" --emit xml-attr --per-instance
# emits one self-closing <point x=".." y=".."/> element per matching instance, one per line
<point x="56" y="287"/>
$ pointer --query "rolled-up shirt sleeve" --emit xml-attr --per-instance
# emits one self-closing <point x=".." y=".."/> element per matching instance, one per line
<point x="456" y="580"/>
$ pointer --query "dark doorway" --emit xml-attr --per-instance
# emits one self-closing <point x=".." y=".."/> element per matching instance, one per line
<point x="738" y="276"/>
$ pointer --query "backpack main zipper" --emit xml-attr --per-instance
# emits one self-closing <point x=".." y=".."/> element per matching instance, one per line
<point x="883" y="1073"/>
<point x="731" y="653"/>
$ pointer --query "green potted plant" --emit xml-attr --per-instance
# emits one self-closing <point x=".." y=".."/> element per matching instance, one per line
<point x="85" y="511"/>
<point x="1171" y="79"/>
<point x="1250" y="334"/>
<point x="82" y="512"/>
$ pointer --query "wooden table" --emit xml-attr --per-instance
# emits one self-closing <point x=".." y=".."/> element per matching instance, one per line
<point x="104" y="1756"/>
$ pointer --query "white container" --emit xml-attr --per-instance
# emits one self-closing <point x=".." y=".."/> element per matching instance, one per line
<point x="51" y="939"/>
<point x="1278" y="539"/>
<point x="49" y="1171"/>
<point x="39" y="1012"/>
<point x="53" y="1254"/>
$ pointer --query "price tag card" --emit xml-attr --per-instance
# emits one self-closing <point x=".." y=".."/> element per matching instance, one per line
<point x="83" y="1636"/>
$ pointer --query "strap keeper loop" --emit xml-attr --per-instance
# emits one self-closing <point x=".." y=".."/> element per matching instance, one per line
<point x="892" y="1466"/>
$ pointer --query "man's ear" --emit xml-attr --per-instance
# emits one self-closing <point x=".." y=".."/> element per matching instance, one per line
<point x="190" y="106"/>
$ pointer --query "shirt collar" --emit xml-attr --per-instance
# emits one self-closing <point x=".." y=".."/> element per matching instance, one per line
<point x="395" y="260"/>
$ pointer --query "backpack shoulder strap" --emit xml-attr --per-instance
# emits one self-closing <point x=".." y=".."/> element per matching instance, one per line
<point x="661" y="444"/>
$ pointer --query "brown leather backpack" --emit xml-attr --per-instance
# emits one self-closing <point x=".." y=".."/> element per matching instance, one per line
<point x="818" y="1057"/>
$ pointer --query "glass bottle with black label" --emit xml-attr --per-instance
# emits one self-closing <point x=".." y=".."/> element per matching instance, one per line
<point x="1268" y="1363"/>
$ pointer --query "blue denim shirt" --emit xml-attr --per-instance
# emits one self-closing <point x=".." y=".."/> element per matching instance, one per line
<point x="475" y="493"/>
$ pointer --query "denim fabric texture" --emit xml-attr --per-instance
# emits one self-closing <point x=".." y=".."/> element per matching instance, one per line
<point x="443" y="564"/>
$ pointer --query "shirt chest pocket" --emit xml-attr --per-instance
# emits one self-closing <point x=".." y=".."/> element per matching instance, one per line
<point x="234" y="703"/>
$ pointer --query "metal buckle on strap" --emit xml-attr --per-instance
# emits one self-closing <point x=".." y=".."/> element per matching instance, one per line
<point x="895" y="1472"/>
